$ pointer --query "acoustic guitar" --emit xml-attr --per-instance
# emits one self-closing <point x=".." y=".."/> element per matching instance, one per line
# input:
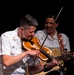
<point x="56" y="54"/>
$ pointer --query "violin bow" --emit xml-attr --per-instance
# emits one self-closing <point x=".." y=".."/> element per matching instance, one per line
<point x="55" y="21"/>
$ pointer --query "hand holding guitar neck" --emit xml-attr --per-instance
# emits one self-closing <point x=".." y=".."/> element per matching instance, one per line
<point x="67" y="54"/>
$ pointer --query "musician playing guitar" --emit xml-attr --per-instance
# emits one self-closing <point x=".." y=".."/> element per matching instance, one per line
<point x="55" y="41"/>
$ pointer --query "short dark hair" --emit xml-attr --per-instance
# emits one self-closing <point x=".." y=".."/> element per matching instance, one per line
<point x="52" y="16"/>
<point x="28" y="20"/>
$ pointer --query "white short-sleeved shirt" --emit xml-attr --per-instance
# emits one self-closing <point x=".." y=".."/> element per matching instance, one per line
<point x="11" y="45"/>
<point x="52" y="42"/>
<point x="1" y="66"/>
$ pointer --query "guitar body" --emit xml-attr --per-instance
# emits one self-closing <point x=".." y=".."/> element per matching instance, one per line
<point x="55" y="53"/>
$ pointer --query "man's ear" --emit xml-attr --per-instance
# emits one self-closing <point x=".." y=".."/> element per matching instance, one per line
<point x="57" y="24"/>
<point x="22" y="28"/>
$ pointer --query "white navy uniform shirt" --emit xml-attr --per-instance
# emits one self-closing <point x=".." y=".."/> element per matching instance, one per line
<point x="11" y="45"/>
<point x="52" y="42"/>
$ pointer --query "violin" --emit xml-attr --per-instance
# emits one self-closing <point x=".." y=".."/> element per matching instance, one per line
<point x="34" y="44"/>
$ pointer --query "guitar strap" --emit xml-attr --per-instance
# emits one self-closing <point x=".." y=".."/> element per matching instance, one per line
<point x="60" y="39"/>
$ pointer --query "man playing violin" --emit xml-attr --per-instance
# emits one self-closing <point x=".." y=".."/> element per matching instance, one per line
<point x="15" y="58"/>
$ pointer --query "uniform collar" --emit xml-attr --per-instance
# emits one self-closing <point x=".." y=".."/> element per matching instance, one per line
<point x="15" y="37"/>
<point x="54" y="37"/>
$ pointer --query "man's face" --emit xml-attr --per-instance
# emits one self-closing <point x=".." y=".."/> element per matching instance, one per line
<point x="50" y="25"/>
<point x="28" y="32"/>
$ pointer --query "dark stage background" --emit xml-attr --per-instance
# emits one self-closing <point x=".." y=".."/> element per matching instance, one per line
<point x="11" y="13"/>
